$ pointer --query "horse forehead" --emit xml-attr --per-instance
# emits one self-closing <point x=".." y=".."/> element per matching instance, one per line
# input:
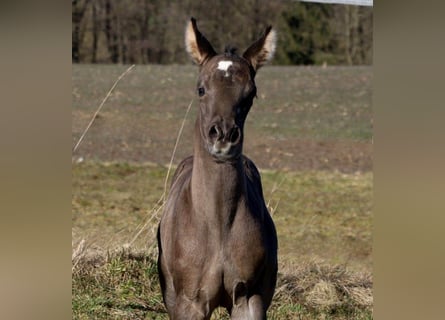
<point x="229" y="68"/>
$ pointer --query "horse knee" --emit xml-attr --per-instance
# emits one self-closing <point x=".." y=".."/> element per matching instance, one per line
<point x="256" y="308"/>
<point x="189" y="310"/>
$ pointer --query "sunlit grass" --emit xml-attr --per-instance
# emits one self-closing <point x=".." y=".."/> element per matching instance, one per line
<point x="324" y="216"/>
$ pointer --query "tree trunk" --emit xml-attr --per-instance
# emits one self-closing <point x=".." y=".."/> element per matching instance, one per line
<point x="347" y="35"/>
<point x="110" y="32"/>
<point x="78" y="11"/>
<point x="144" y="33"/>
<point x="355" y="41"/>
<point x="96" y="26"/>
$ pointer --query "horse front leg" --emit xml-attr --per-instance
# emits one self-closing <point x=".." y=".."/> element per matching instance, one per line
<point x="251" y="308"/>
<point x="187" y="309"/>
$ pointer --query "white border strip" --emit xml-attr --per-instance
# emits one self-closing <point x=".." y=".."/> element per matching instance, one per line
<point x="351" y="2"/>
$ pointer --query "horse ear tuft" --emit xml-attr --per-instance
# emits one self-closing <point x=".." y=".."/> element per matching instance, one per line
<point x="197" y="46"/>
<point x="262" y="50"/>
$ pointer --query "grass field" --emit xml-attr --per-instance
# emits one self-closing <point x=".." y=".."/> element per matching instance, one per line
<point x="305" y="118"/>
<point x="310" y="134"/>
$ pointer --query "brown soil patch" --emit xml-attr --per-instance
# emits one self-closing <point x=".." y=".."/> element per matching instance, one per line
<point x="300" y="154"/>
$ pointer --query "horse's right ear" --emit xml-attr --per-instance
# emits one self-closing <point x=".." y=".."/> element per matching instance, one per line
<point x="197" y="46"/>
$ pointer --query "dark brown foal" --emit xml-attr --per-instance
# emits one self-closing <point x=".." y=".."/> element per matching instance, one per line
<point x="217" y="241"/>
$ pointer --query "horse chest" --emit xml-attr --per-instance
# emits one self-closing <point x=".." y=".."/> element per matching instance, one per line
<point x="217" y="257"/>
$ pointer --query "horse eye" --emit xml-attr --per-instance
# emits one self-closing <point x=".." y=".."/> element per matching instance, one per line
<point x="201" y="91"/>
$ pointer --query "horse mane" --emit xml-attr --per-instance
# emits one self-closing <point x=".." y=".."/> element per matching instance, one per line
<point x="230" y="50"/>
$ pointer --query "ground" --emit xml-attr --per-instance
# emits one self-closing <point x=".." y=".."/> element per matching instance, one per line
<point x="310" y="134"/>
<point x="305" y="118"/>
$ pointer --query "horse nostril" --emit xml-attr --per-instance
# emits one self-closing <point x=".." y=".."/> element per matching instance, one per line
<point x="235" y="135"/>
<point x="214" y="132"/>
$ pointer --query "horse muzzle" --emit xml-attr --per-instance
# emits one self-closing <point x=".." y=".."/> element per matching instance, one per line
<point x="224" y="143"/>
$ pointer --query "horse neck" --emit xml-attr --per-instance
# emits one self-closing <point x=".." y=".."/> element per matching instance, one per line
<point x="216" y="187"/>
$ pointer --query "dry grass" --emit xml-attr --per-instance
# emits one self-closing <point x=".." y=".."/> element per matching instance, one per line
<point x="116" y="285"/>
<point x="123" y="284"/>
<point x="319" y="285"/>
<point x="113" y="258"/>
<point x="118" y="278"/>
<point x="317" y="214"/>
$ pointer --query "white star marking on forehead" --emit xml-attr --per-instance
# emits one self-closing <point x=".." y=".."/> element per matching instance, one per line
<point x="224" y="66"/>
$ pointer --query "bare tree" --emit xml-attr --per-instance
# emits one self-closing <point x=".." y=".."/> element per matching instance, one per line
<point x="78" y="12"/>
<point x="95" y="31"/>
<point x="111" y="32"/>
<point x="150" y="31"/>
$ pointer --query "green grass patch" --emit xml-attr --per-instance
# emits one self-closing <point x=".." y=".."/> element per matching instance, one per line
<point x="323" y="219"/>
<point x="116" y="286"/>
<point x="322" y="214"/>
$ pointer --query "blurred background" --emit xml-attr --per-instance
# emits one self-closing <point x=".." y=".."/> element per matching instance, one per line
<point x="151" y="31"/>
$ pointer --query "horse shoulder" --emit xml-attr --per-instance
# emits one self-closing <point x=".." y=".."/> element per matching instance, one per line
<point x="176" y="200"/>
<point x="256" y="201"/>
<point x="184" y="169"/>
<point x="253" y="176"/>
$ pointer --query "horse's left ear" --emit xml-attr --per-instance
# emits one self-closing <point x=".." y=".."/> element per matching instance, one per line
<point x="262" y="50"/>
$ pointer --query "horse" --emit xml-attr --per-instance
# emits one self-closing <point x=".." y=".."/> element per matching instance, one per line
<point x="216" y="239"/>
